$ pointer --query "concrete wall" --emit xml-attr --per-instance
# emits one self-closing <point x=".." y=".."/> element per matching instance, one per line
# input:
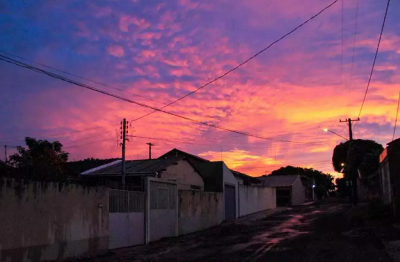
<point x="230" y="179"/>
<point x="183" y="174"/>
<point x="49" y="221"/>
<point x="199" y="210"/>
<point x="298" y="192"/>
<point x="254" y="199"/>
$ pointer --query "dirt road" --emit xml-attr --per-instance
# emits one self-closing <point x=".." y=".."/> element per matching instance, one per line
<point x="308" y="233"/>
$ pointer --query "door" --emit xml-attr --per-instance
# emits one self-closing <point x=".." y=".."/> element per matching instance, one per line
<point x="163" y="215"/>
<point x="126" y="218"/>
<point x="230" y="202"/>
<point x="283" y="197"/>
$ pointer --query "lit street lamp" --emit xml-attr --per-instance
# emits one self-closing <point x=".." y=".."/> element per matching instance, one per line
<point x="327" y="130"/>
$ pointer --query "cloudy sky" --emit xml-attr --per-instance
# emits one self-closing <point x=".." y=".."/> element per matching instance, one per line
<point x="154" y="52"/>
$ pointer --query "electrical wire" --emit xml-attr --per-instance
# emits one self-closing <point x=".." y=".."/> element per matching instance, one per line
<point x="397" y="113"/>
<point x="53" y="75"/>
<point x="84" y="78"/>
<point x="242" y="63"/>
<point x="376" y="55"/>
<point x="88" y="143"/>
<point x="353" y="54"/>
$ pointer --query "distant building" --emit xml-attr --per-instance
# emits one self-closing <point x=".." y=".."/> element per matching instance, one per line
<point x="289" y="189"/>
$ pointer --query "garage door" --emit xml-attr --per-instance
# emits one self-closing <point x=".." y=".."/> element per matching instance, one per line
<point x="230" y="202"/>
<point x="283" y="197"/>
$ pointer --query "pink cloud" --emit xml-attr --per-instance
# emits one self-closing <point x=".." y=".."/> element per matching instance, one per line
<point x="116" y="50"/>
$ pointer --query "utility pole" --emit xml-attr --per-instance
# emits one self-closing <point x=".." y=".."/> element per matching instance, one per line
<point x="124" y="132"/>
<point x="150" y="145"/>
<point x="5" y="153"/>
<point x="353" y="178"/>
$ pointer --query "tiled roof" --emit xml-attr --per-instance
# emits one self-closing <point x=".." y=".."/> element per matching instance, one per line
<point x="132" y="167"/>
<point x="279" y="181"/>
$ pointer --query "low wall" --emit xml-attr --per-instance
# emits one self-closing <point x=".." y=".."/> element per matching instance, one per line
<point x="51" y="221"/>
<point x="199" y="210"/>
<point x="255" y="199"/>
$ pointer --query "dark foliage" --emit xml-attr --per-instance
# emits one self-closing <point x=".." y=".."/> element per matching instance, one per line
<point x="363" y="155"/>
<point x="41" y="160"/>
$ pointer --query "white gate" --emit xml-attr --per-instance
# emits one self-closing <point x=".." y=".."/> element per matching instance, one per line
<point x="163" y="209"/>
<point x="127" y="226"/>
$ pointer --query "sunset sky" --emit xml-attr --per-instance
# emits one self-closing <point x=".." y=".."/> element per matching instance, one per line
<point x="158" y="51"/>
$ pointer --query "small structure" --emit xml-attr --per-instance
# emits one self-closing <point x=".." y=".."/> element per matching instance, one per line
<point x="174" y="169"/>
<point x="289" y="189"/>
<point x="217" y="178"/>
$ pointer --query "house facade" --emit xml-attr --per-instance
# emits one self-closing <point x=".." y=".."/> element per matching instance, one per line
<point x="289" y="189"/>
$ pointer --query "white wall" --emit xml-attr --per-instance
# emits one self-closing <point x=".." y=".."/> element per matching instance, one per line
<point x="51" y="221"/>
<point x="255" y="199"/>
<point x="230" y="179"/>
<point x="183" y="174"/>
<point x="298" y="192"/>
<point x="199" y="210"/>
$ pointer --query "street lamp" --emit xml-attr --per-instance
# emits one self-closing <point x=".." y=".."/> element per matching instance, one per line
<point x="327" y="130"/>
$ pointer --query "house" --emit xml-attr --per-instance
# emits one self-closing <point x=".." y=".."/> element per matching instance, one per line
<point x="217" y="177"/>
<point x="289" y="189"/>
<point x="389" y="175"/>
<point x="241" y="178"/>
<point x="175" y="169"/>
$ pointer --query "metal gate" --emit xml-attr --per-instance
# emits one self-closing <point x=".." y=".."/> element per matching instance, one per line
<point x="163" y="215"/>
<point x="230" y="202"/>
<point x="127" y="226"/>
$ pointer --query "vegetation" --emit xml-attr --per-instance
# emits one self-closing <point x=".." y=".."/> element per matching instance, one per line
<point x="41" y="160"/>
<point x="364" y="155"/>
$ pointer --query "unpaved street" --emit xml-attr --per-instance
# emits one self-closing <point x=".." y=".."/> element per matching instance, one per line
<point x="306" y="233"/>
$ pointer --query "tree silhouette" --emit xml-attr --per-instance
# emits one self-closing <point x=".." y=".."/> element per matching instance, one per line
<point x="363" y="155"/>
<point x="41" y="160"/>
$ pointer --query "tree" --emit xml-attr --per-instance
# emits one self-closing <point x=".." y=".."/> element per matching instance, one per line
<point x="42" y="160"/>
<point x="323" y="182"/>
<point x="363" y="155"/>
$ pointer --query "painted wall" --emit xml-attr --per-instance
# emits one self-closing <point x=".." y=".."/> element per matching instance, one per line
<point x="298" y="192"/>
<point x="183" y="174"/>
<point x="230" y="179"/>
<point x="199" y="210"/>
<point x="49" y="221"/>
<point x="254" y="199"/>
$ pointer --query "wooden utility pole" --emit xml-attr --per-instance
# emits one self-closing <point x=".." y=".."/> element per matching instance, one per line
<point x="124" y="132"/>
<point x="353" y="177"/>
<point x="150" y="145"/>
<point x="5" y="153"/>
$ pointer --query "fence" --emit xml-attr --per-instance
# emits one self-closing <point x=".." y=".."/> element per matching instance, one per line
<point x="254" y="199"/>
<point x="199" y="210"/>
<point x="51" y="221"/>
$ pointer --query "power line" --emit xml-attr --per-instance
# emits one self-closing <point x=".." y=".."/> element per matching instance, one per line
<point x="84" y="78"/>
<point x="376" y="54"/>
<point x="38" y="70"/>
<point x="89" y="143"/>
<point x="352" y="57"/>
<point x="55" y="135"/>
<point x="241" y="64"/>
<point x="397" y="113"/>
